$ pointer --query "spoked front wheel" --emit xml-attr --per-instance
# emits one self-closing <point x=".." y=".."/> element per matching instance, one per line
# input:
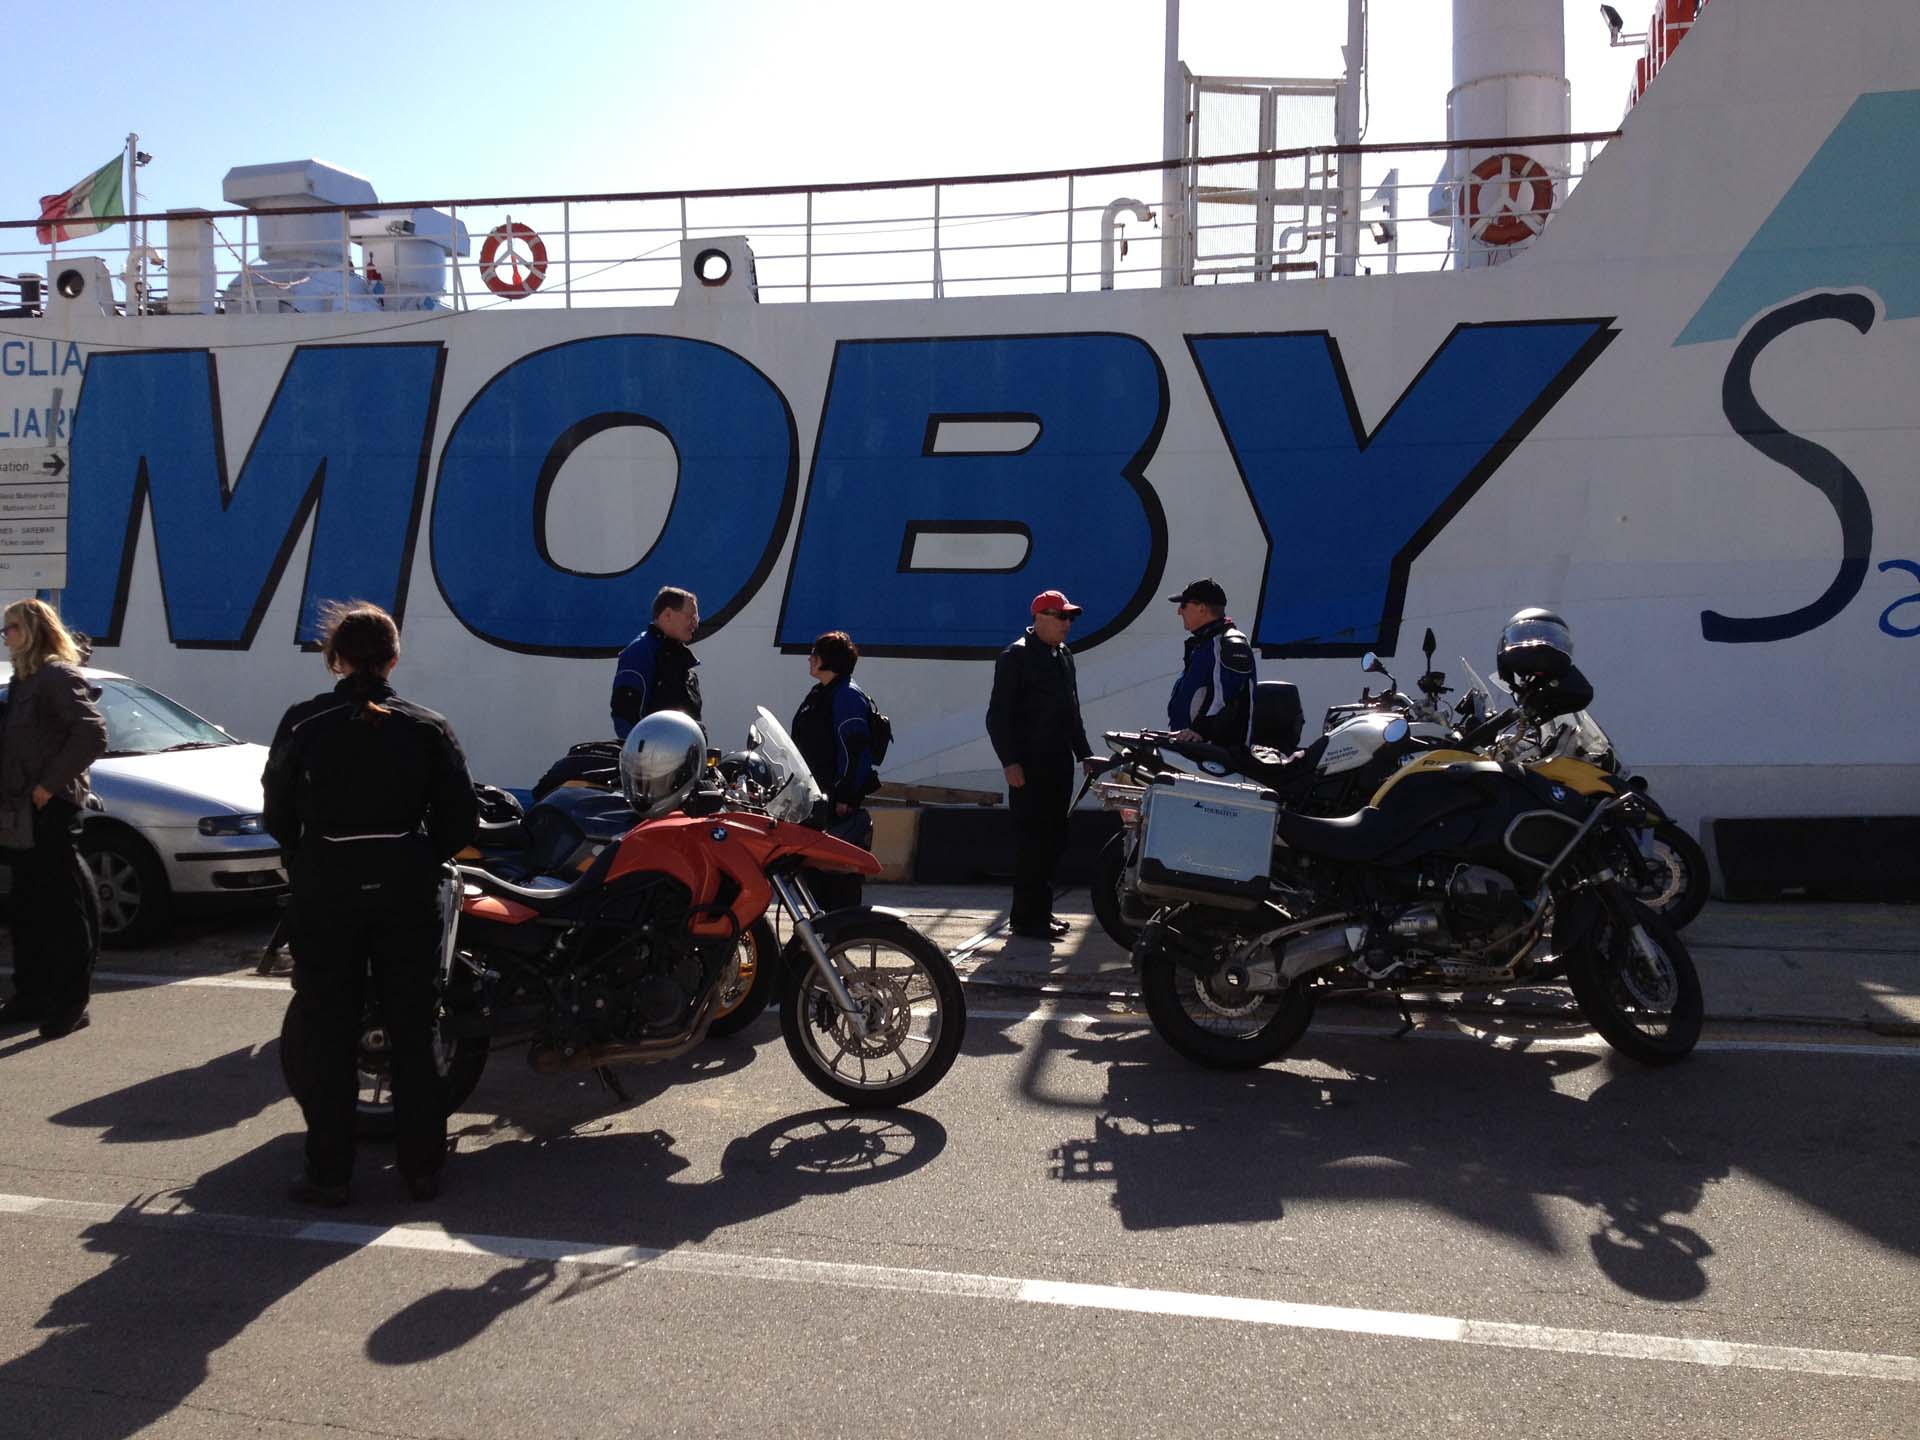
<point x="910" y="1001"/>
<point x="1216" y="1022"/>
<point x="1635" y="981"/>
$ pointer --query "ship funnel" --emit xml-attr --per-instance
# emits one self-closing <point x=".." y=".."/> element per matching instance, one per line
<point x="1509" y="78"/>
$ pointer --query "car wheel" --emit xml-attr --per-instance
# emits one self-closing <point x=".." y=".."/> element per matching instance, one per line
<point x="135" y="901"/>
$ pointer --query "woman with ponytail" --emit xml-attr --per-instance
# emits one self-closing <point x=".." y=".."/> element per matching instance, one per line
<point x="369" y="796"/>
<point x="53" y="732"/>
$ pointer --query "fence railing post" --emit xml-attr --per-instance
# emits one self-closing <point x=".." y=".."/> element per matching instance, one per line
<point x="459" y="279"/>
<point x="566" y="237"/>
<point x="1069" y="234"/>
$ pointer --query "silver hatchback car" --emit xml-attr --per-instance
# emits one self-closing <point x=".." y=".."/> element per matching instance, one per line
<point x="177" y="822"/>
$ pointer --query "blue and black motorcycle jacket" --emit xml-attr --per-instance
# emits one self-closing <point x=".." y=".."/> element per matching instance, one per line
<point x="1214" y="695"/>
<point x="655" y="672"/>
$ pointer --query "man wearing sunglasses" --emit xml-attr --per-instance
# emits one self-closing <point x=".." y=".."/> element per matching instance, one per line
<point x="1034" y="723"/>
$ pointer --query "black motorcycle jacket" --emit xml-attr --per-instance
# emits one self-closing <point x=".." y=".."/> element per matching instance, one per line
<point x="367" y="792"/>
<point x="1033" y="717"/>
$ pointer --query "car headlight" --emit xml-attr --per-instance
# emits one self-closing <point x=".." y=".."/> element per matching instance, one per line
<point x="233" y="825"/>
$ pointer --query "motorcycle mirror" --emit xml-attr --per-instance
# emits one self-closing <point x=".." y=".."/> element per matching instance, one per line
<point x="1370" y="663"/>
<point x="1428" y="645"/>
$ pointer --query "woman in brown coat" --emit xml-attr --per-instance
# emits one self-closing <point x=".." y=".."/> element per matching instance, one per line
<point x="52" y="732"/>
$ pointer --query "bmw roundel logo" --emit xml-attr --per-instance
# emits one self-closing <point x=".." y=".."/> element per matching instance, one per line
<point x="719" y="832"/>
<point x="1559" y="793"/>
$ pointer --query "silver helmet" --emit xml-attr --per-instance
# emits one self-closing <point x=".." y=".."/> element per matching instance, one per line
<point x="661" y="762"/>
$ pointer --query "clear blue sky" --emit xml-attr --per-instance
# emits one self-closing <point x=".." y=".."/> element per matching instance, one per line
<point x="488" y="98"/>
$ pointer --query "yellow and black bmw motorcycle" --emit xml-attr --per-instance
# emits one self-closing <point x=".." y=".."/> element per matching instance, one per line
<point x="1463" y="872"/>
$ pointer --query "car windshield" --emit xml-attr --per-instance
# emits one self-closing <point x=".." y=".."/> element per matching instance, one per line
<point x="145" y="722"/>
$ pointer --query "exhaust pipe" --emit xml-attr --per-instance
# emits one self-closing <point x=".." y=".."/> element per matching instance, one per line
<point x="1302" y="948"/>
<point x="555" y="1059"/>
<point x="1316" y="949"/>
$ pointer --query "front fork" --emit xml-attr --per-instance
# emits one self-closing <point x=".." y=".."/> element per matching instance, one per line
<point x="804" y="909"/>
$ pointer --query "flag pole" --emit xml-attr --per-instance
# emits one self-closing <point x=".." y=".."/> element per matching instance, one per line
<point x="136" y="276"/>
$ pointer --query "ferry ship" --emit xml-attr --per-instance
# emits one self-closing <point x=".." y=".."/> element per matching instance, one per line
<point x="1661" y="380"/>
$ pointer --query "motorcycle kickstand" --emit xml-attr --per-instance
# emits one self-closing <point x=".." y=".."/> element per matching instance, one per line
<point x="1406" y="1018"/>
<point x="604" y="1074"/>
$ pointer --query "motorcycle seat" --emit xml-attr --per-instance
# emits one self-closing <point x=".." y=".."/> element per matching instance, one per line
<point x="1364" y="835"/>
<point x="544" y="893"/>
<point x="1288" y="775"/>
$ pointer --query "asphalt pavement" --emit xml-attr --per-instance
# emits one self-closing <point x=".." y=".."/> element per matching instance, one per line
<point x="1492" y="1227"/>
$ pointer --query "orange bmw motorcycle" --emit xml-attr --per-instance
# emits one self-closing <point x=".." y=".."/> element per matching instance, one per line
<point x="632" y="960"/>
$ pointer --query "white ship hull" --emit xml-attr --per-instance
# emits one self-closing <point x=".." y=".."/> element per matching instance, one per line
<point x="1684" y="419"/>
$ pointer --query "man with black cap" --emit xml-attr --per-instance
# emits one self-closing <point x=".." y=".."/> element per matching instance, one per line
<point x="1034" y="723"/>
<point x="1213" y="698"/>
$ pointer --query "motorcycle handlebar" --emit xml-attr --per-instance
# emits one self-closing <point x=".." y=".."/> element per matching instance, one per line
<point x="1483" y="733"/>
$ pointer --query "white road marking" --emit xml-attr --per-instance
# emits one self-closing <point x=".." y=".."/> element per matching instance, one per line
<point x="1244" y="1310"/>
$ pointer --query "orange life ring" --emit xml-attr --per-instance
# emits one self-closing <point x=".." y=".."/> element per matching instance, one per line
<point x="517" y="283"/>
<point x="1508" y="199"/>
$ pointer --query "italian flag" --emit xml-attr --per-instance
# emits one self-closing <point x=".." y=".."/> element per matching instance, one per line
<point x="86" y="209"/>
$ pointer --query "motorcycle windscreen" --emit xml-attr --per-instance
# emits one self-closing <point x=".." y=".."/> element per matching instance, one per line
<point x="794" y="792"/>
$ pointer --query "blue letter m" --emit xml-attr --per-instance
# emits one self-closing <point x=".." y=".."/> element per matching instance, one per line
<point x="344" y="440"/>
<point x="1345" y="511"/>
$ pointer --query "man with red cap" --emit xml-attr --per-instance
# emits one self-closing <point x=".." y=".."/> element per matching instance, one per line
<point x="1034" y="723"/>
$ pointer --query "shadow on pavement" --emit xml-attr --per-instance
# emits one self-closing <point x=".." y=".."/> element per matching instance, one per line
<point x="129" y="1344"/>
<point x="821" y="1152"/>
<point x="1484" y="1134"/>
<point x="201" y="1100"/>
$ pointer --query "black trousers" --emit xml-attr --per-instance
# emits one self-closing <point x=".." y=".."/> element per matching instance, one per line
<point x="1040" y="837"/>
<point x="355" y="962"/>
<point x="843" y="889"/>
<point x="55" y="914"/>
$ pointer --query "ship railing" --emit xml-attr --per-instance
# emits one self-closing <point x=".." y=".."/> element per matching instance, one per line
<point x="1100" y="228"/>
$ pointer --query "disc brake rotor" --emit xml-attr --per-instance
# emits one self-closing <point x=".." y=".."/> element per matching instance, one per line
<point x="1647" y="974"/>
<point x="1660" y="857"/>
<point x="883" y="1004"/>
<point x="1226" y="995"/>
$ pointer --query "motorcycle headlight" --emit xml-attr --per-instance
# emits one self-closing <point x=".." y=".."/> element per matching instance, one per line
<point x="233" y="825"/>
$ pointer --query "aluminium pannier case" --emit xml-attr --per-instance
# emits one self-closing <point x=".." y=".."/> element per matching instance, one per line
<point x="1209" y="841"/>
